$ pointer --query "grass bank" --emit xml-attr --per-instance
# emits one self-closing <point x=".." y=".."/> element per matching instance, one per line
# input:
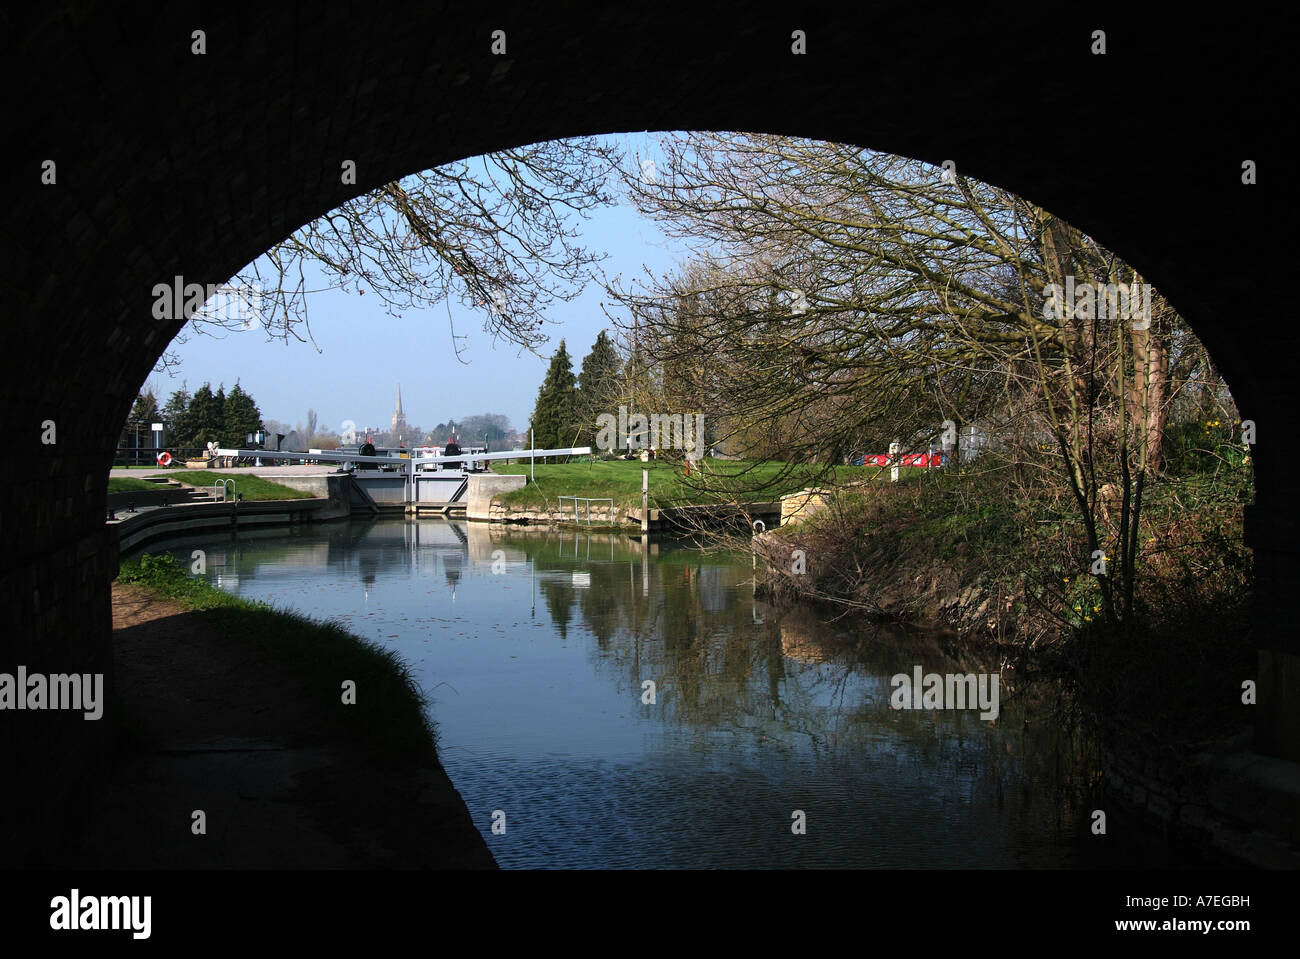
<point x="249" y="486"/>
<point x="961" y="549"/>
<point x="388" y="717"/>
<point x="714" y="481"/>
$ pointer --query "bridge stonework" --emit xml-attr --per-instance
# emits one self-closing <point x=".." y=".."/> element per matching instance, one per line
<point x="170" y="163"/>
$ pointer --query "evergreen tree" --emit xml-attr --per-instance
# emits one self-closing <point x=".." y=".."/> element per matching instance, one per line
<point x="239" y="416"/>
<point x="553" y="416"/>
<point x="144" y="413"/>
<point x="176" y="415"/>
<point x="597" y="387"/>
<point x="205" y="417"/>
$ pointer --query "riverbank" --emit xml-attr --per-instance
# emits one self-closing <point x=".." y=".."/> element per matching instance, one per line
<point x="234" y="747"/>
<point x="1166" y="692"/>
<point x="711" y="482"/>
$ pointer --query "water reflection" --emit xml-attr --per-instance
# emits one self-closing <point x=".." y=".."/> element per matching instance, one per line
<point x="758" y="711"/>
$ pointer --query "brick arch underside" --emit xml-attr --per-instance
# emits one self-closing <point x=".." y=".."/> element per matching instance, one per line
<point x="174" y="164"/>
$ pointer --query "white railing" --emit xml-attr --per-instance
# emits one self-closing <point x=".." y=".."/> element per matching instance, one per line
<point x="410" y="464"/>
<point x="335" y="457"/>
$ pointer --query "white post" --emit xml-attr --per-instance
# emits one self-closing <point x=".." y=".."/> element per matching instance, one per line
<point x="894" y="449"/>
<point x="532" y="459"/>
<point x="645" y="499"/>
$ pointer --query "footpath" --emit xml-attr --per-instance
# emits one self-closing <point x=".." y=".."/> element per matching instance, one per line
<point x="209" y="726"/>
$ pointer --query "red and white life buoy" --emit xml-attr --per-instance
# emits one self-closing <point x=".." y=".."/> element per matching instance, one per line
<point x="164" y="458"/>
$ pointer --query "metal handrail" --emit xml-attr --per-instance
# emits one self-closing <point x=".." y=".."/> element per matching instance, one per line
<point x="588" y="500"/>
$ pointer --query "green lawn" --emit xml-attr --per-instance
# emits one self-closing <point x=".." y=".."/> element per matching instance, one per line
<point x="718" y="481"/>
<point x="252" y="487"/>
<point x="125" y="484"/>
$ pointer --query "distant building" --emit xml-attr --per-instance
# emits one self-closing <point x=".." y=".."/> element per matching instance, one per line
<point x="400" y="428"/>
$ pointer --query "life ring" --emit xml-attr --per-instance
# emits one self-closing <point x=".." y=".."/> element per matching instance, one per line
<point x="164" y="458"/>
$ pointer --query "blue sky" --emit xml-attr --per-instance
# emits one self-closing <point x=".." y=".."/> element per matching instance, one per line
<point x="364" y="353"/>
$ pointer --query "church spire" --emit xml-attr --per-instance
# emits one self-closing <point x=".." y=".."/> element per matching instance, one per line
<point x="399" y="417"/>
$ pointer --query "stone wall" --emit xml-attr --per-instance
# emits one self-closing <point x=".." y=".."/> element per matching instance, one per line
<point x="799" y="506"/>
<point x="502" y="513"/>
<point x="1243" y="807"/>
<point x="482" y="487"/>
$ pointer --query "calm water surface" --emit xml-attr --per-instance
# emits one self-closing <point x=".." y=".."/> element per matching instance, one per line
<point x="534" y="647"/>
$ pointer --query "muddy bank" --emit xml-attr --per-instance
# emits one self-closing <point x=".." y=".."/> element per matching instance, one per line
<point x="923" y="592"/>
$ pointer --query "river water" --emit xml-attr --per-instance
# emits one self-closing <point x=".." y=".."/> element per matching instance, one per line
<point x="535" y="648"/>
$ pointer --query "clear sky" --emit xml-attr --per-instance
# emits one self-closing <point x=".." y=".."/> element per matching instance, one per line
<point x="364" y="353"/>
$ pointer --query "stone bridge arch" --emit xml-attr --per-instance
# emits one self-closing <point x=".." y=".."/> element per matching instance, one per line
<point x="169" y="162"/>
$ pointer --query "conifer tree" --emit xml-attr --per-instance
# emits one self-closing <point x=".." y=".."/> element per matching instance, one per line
<point x="598" y="386"/>
<point x="144" y="413"/>
<point x="176" y="417"/>
<point x="205" y="417"/>
<point x="553" y="416"/>
<point x="240" y="416"/>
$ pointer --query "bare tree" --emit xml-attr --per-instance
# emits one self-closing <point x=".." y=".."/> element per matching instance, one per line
<point x="844" y="298"/>
<point x="310" y="436"/>
<point x="497" y="232"/>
